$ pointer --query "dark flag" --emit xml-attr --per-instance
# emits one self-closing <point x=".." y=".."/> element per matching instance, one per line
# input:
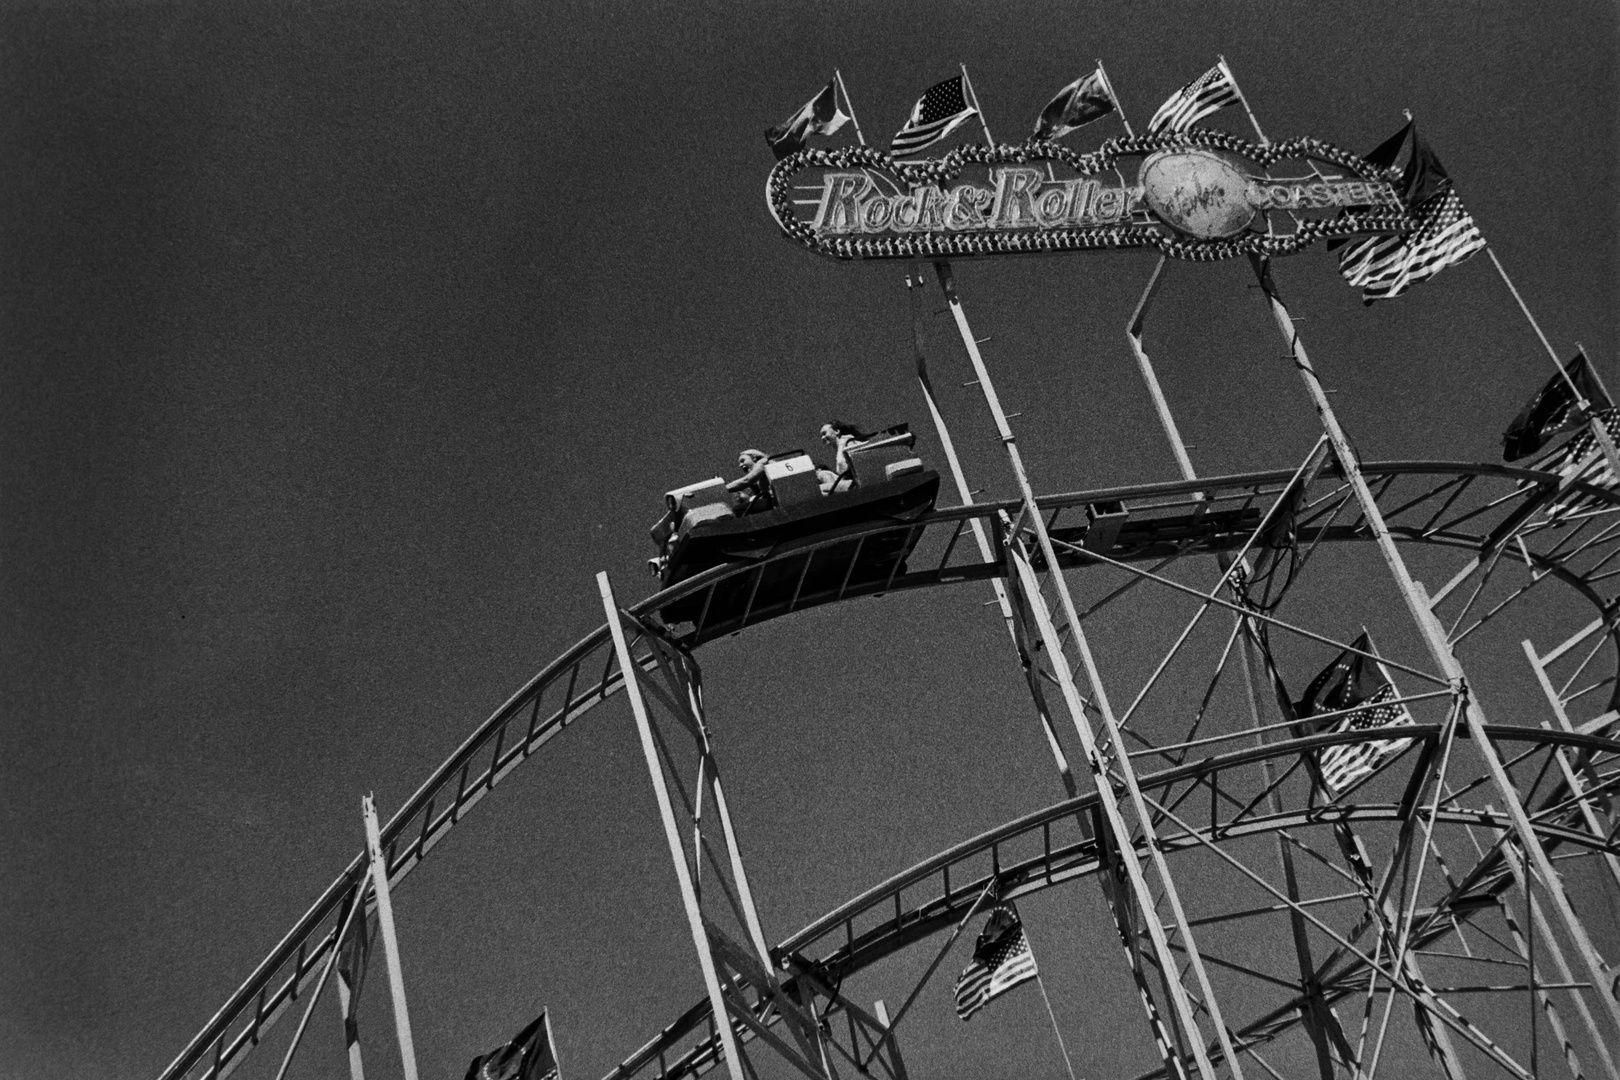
<point x="1554" y="410"/>
<point x="1386" y="266"/>
<point x="1353" y="681"/>
<point x="1076" y="105"/>
<point x="529" y="1056"/>
<point x="1212" y="91"/>
<point x="820" y="116"/>
<point x="1001" y="960"/>
<point x="940" y="111"/>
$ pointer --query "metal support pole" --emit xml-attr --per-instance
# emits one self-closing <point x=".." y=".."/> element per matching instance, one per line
<point x="1577" y="787"/>
<point x="385" y="922"/>
<point x="1320" y="1020"/>
<point x="666" y="812"/>
<point x="1434" y="636"/>
<point x="896" y="1062"/>
<point x="1133" y="332"/>
<point x="1539" y="923"/>
<point x="1022" y="638"/>
<point x="1082" y="724"/>
<point x="948" y="445"/>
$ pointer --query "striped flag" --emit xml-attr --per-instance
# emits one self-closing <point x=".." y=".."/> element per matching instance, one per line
<point x="1581" y="458"/>
<point x="1354" y="681"/>
<point x="1345" y="765"/>
<point x="1446" y="235"/>
<point x="940" y="111"/>
<point x="1210" y="92"/>
<point x="1001" y="960"/>
<point x="1386" y="266"/>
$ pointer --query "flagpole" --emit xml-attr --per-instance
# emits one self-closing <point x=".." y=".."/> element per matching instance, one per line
<point x="385" y="920"/>
<point x="1236" y="86"/>
<point x="1591" y="367"/>
<point x="1599" y="432"/>
<point x="967" y="82"/>
<point x="1119" y="109"/>
<point x="839" y="76"/>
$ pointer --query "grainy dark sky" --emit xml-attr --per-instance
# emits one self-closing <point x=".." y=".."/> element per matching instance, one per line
<point x="342" y="343"/>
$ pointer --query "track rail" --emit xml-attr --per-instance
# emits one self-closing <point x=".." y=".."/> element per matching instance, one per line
<point x="1473" y="507"/>
<point x="1047" y="848"/>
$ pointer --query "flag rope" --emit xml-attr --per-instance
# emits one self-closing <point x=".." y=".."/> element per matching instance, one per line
<point x="1041" y="983"/>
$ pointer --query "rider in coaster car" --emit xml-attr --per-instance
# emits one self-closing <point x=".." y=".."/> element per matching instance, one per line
<point x="840" y="436"/>
<point x="752" y="489"/>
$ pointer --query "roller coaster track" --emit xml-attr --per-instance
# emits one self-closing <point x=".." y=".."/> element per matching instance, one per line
<point x="1047" y="848"/>
<point x="1494" y="514"/>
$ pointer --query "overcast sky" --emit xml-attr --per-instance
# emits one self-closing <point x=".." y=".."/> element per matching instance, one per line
<point x="343" y="343"/>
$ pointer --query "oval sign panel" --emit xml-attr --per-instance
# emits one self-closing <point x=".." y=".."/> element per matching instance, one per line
<point x="1197" y="192"/>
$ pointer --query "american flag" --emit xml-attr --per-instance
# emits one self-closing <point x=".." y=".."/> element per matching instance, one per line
<point x="1354" y="680"/>
<point x="1570" y="462"/>
<point x="1213" y="90"/>
<point x="937" y="113"/>
<point x="1387" y="266"/>
<point x="1001" y="960"/>
<point x="1349" y="763"/>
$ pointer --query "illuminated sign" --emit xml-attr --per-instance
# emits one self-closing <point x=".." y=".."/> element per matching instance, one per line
<point x="1195" y="195"/>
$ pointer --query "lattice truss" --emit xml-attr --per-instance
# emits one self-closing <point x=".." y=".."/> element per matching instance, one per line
<point x="1398" y="880"/>
<point x="1405" y="895"/>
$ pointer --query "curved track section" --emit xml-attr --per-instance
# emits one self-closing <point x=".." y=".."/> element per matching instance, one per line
<point x="1050" y="847"/>
<point x="1492" y="514"/>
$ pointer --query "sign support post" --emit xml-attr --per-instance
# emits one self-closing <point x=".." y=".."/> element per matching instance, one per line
<point x="1103" y="772"/>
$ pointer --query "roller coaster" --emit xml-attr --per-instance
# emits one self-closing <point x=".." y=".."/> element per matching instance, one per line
<point x="1463" y="510"/>
<point x="1280" y="871"/>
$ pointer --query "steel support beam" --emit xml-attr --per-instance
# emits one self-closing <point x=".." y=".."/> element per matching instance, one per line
<point x="1434" y="636"/>
<point x="1075" y="705"/>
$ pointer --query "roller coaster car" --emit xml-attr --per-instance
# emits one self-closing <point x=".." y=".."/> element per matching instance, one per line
<point x="1110" y="531"/>
<point x="703" y="527"/>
